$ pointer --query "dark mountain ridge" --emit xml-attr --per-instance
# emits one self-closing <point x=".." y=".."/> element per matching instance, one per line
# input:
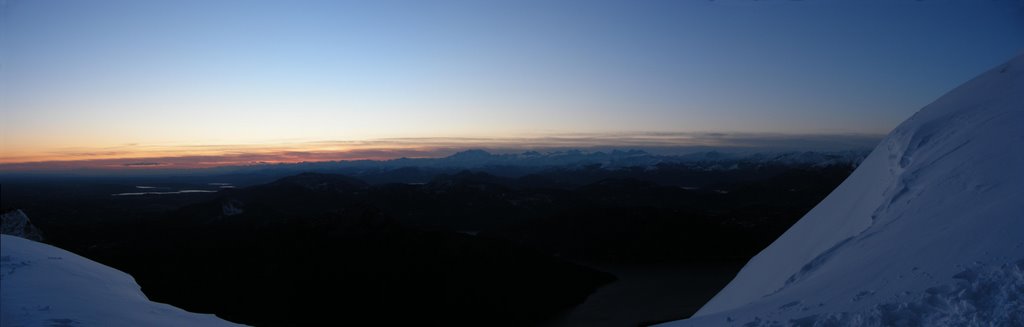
<point x="316" y="248"/>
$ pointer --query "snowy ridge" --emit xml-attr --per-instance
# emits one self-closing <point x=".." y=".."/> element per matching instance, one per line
<point x="928" y="230"/>
<point x="41" y="285"/>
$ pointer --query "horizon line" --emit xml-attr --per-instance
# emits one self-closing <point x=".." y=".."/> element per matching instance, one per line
<point x="135" y="156"/>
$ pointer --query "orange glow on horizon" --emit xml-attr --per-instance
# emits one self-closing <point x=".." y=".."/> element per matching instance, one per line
<point x="187" y="157"/>
<point x="143" y="156"/>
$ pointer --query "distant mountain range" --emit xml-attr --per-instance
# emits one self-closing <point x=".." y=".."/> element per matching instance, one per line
<point x="613" y="159"/>
<point x="529" y="162"/>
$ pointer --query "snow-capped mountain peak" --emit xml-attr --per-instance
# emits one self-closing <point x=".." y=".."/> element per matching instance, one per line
<point x="16" y="222"/>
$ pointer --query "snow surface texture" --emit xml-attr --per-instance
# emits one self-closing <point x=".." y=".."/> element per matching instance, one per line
<point x="929" y="230"/>
<point x="16" y="223"/>
<point x="41" y="285"/>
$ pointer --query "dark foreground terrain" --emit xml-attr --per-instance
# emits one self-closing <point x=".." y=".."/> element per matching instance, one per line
<point x="467" y="247"/>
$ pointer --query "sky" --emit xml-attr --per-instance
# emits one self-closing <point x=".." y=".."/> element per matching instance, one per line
<point x="82" y="81"/>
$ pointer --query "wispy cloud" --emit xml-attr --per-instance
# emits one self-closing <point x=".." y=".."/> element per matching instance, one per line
<point x="143" y="164"/>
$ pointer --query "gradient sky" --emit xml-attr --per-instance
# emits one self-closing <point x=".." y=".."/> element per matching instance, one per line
<point x="104" y="79"/>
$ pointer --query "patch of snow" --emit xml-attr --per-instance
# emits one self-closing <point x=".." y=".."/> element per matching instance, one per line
<point x="41" y="285"/>
<point x="977" y="296"/>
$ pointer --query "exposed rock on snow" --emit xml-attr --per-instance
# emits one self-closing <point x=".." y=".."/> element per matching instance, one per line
<point x="16" y="223"/>
<point x="928" y="230"/>
<point x="41" y="285"/>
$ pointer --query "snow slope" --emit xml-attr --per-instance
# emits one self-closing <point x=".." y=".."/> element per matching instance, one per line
<point x="41" y="285"/>
<point x="928" y="230"/>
